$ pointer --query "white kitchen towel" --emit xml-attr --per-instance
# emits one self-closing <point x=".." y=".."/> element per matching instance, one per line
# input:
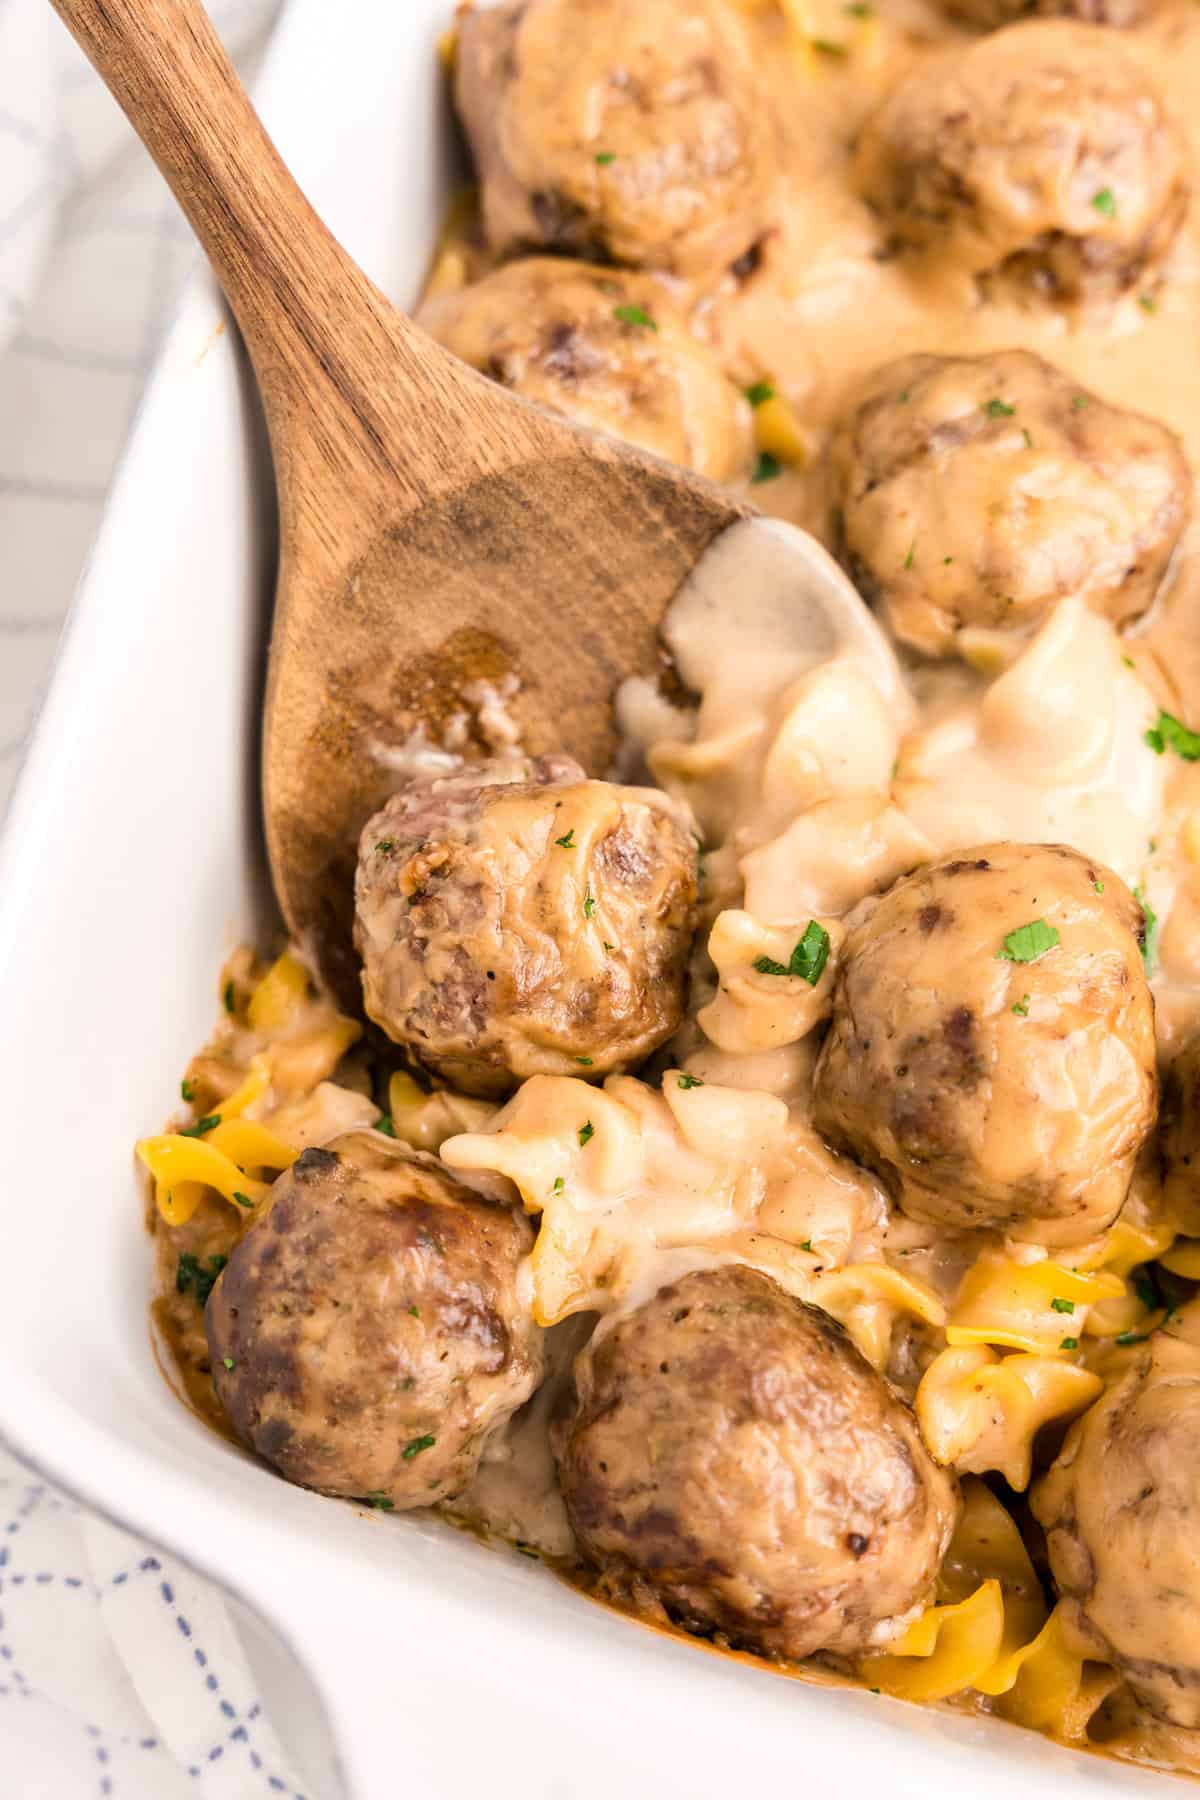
<point x="121" y="1674"/>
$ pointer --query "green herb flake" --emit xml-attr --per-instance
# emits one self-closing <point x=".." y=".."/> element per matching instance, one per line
<point x="807" y="1245"/>
<point x="384" y="1124"/>
<point x="384" y="846"/>
<point x="589" y="904"/>
<point x="905" y="397"/>
<point x="998" y="409"/>
<point x="585" y="1062"/>
<point x="1028" y="942"/>
<point x="690" y="1081"/>
<point x="1021" y="1007"/>
<point x="767" y="468"/>
<point x="586" y="1134"/>
<point x="380" y="1502"/>
<point x="1098" y="886"/>
<point x="1129" y="662"/>
<point x="808" y="959"/>
<point x="1079" y="402"/>
<point x="1105" y="203"/>
<point x="568" y="841"/>
<point x="912" y="551"/>
<point x="604" y="157"/>
<point x="760" y="392"/>
<point x="608" y="948"/>
<point x="946" y="561"/>
<point x="197" y="1278"/>
<point x="1025" y="433"/>
<point x="1069" y="1344"/>
<point x="242" y="1199"/>
<point x="559" y="1184"/>
<point x="827" y="47"/>
<point x="202" y="1126"/>
<point x="1146" y="1291"/>
<point x="187" y="1089"/>
<point x="1062" y="1306"/>
<point x="1147" y="302"/>
<point x="857" y="9"/>
<point x="1149" y="932"/>
<point x="415" y="1446"/>
<point x="1169" y="734"/>
<point x="414" y="1312"/>
<point x="634" y="315"/>
<point x="227" y="997"/>
<point x="228" y="1361"/>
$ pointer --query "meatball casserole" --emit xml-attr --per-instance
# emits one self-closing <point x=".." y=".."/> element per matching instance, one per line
<point x="764" y="1183"/>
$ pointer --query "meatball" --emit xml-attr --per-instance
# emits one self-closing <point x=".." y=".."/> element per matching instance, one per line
<point x="1121" y="1508"/>
<point x="629" y="130"/>
<point x="366" y="1336"/>
<point x="517" y="919"/>
<point x="608" y="349"/>
<point x="733" y="1458"/>
<point x="990" y="15"/>
<point x="1039" y="156"/>
<point x="1179" y="1139"/>
<point x="991" y="1054"/>
<point x="979" y="490"/>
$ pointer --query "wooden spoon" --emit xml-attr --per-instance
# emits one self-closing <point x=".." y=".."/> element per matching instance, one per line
<point x="435" y="531"/>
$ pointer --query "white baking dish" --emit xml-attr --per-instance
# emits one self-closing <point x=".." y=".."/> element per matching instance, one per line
<point x="131" y="863"/>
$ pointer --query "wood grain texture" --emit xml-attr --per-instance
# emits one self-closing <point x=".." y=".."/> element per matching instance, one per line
<point x="434" y="529"/>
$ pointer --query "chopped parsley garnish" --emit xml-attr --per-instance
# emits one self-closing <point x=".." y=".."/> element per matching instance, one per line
<point x="998" y="409"/>
<point x="1105" y="203"/>
<point x="912" y="551"/>
<point x="1069" y="1344"/>
<point x="905" y="397"/>
<point x="635" y="315"/>
<point x="567" y="841"/>
<point x="187" y="1089"/>
<point x="227" y="996"/>
<point x="827" y="47"/>
<point x="1125" y="1338"/>
<point x="1169" y="734"/>
<point x="380" y="1502"/>
<point x="857" y="9"/>
<point x="414" y="1312"/>
<point x="242" y="1199"/>
<point x="1021" y="1007"/>
<point x="194" y="1277"/>
<point x="415" y="1446"/>
<point x="1025" y="433"/>
<point x="760" y="392"/>
<point x="766" y="468"/>
<point x="586" y="1134"/>
<point x="1098" y="886"/>
<point x="1129" y="662"/>
<point x="690" y="1081"/>
<point x="608" y="948"/>
<point x="384" y="846"/>
<point x="1079" y="402"/>
<point x="1062" y="1306"/>
<point x="808" y="958"/>
<point x="384" y="1124"/>
<point x="228" y="1361"/>
<point x="559" y="1184"/>
<point x="589" y="904"/>
<point x="584" y="1062"/>
<point x="1149" y="933"/>
<point x="1028" y="942"/>
<point x="604" y="157"/>
<point x="807" y="1245"/>
<point x="1146" y="1291"/>
<point x="1147" y="302"/>
<point x="202" y="1126"/>
<point x="524" y="1549"/>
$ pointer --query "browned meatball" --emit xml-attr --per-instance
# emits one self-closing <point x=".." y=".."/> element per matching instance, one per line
<point x="990" y="15"/>
<point x="630" y="130"/>
<point x="518" y="919"/>
<point x="607" y="348"/>
<point x="1039" y="155"/>
<point x="992" y="1051"/>
<point x="732" y="1457"/>
<point x="980" y="490"/>
<point x="1121" y="1508"/>
<point x="366" y="1336"/>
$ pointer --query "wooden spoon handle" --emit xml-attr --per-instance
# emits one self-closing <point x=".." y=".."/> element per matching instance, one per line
<point x="311" y="320"/>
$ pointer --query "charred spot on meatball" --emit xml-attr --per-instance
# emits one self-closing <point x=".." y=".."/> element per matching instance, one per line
<point x="517" y="919"/>
<point x="365" y="1335"/>
<point x="1038" y="158"/>
<point x="992" y="15"/>
<point x="977" y="491"/>
<point x="730" y="1457"/>
<point x="607" y="349"/>
<point x="632" y="131"/>
<point x="1120" y="1508"/>
<point x="991" y="1054"/>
